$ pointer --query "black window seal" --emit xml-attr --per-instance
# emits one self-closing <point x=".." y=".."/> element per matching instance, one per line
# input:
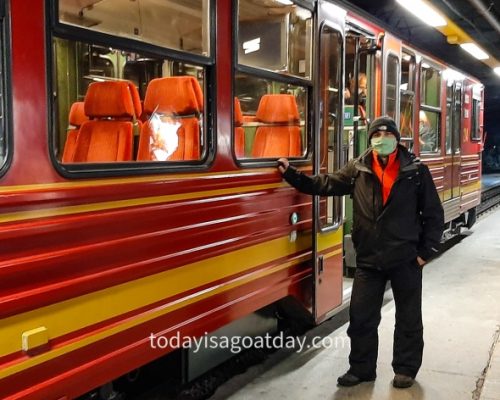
<point x="267" y="162"/>
<point x="6" y="66"/>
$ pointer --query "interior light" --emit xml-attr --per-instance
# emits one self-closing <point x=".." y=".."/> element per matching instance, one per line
<point x="452" y="75"/>
<point x="496" y="70"/>
<point x="475" y="50"/>
<point x="423" y="11"/>
<point x="251" y="45"/>
<point x="425" y="65"/>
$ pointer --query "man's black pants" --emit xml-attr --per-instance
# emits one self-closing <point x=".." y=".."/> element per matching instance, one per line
<point x="366" y="303"/>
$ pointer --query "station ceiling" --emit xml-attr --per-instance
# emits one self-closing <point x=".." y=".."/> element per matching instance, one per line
<point x="480" y="19"/>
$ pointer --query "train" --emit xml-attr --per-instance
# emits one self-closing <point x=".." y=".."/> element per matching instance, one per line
<point x="138" y="165"/>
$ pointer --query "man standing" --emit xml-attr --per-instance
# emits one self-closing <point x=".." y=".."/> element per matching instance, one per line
<point x="397" y="225"/>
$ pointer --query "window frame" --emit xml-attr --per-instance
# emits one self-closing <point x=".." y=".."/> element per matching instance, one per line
<point x="433" y="109"/>
<point x="411" y="91"/>
<point x="64" y="31"/>
<point x="334" y="204"/>
<point x="6" y="87"/>
<point x="475" y="129"/>
<point x="392" y="55"/>
<point x="256" y="72"/>
<point x="448" y="134"/>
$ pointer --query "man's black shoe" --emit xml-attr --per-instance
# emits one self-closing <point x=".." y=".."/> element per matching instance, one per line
<point x="402" y="381"/>
<point x="349" y="379"/>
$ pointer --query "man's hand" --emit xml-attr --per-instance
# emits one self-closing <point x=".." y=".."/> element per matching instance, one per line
<point x="283" y="165"/>
<point x="421" y="261"/>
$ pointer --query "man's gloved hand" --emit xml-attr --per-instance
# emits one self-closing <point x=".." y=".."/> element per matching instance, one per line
<point x="283" y="164"/>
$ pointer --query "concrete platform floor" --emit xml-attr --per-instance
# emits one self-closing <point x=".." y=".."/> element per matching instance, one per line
<point x="461" y="309"/>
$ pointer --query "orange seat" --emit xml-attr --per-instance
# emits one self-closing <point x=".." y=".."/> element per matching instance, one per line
<point x="76" y="118"/>
<point x="172" y="132"/>
<point x="108" y="136"/>
<point x="239" y="132"/>
<point x="281" y="137"/>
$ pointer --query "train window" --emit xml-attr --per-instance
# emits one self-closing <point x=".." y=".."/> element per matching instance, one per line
<point x="114" y="104"/>
<point x="275" y="36"/>
<point x="449" y="116"/>
<point x="430" y="110"/>
<point x="272" y="80"/>
<point x="475" y="128"/>
<point x="359" y="61"/>
<point x="457" y="118"/>
<point x="428" y="130"/>
<point x="272" y="120"/>
<point x="187" y="28"/>
<point x="391" y="85"/>
<point x="331" y="86"/>
<point x="407" y="96"/>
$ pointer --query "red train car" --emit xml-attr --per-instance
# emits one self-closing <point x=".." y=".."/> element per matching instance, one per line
<point x="139" y="186"/>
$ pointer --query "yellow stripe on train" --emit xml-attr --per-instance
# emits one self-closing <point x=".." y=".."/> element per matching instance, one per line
<point x="59" y="319"/>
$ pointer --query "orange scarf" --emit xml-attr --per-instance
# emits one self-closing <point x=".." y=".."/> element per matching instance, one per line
<point x="386" y="175"/>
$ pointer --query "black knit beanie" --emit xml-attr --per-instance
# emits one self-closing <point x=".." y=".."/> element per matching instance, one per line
<point x="386" y="124"/>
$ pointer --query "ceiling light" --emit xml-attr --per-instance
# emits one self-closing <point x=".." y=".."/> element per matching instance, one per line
<point x="475" y="50"/>
<point x="423" y="11"/>
<point x="496" y="70"/>
<point x="452" y="75"/>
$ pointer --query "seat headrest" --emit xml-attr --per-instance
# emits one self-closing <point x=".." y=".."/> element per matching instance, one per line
<point x="112" y="99"/>
<point x="177" y="95"/>
<point x="77" y="114"/>
<point x="278" y="108"/>
<point x="136" y="99"/>
<point x="238" y="115"/>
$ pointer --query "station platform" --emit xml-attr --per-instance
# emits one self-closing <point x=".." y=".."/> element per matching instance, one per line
<point x="489" y="180"/>
<point x="461" y="310"/>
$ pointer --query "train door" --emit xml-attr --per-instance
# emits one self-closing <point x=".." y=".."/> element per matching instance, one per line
<point x="327" y="211"/>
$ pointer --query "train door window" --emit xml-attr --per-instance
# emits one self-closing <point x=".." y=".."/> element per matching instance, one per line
<point x="407" y="99"/>
<point x="330" y="108"/>
<point x="391" y="86"/>
<point x="475" y="128"/>
<point x="430" y="109"/>
<point x="272" y="80"/>
<point x="449" y="117"/>
<point x="358" y="92"/>
<point x="457" y="118"/>
<point x="123" y="76"/>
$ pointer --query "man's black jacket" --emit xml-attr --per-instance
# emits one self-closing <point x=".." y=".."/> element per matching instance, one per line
<point x="409" y="224"/>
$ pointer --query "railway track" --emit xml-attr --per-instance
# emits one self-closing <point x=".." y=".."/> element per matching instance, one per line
<point x="490" y="198"/>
